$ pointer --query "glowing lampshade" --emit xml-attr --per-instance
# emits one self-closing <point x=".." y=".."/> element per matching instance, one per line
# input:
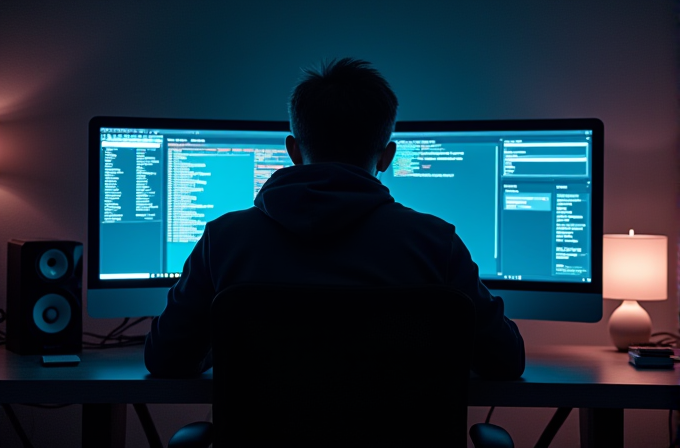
<point x="635" y="268"/>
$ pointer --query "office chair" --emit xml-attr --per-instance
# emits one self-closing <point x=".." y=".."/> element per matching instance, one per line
<point x="322" y="366"/>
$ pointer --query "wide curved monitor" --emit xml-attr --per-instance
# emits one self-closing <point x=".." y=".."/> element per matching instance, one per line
<point x="526" y="197"/>
<point x="153" y="185"/>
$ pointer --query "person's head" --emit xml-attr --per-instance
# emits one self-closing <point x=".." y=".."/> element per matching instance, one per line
<point x="343" y="112"/>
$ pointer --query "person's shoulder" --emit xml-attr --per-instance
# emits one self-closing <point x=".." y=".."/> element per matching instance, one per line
<point x="236" y="217"/>
<point x="409" y="216"/>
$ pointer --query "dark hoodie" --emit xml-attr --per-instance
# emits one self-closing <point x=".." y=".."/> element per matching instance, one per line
<point x="326" y="223"/>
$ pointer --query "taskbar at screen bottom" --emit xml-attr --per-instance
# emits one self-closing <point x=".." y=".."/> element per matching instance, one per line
<point x="138" y="275"/>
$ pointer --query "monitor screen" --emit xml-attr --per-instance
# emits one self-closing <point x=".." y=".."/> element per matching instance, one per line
<point x="154" y="184"/>
<point x="525" y="197"/>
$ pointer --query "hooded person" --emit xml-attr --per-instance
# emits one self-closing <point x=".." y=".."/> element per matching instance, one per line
<point x="328" y="220"/>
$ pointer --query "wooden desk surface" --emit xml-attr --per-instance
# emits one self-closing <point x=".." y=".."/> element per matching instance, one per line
<point x="581" y="377"/>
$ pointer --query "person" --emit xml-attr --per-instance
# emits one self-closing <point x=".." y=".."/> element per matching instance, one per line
<point x="328" y="220"/>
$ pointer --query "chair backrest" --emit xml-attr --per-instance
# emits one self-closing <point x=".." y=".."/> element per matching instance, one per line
<point x="323" y="366"/>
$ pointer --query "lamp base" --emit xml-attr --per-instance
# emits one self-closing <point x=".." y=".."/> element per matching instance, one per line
<point x="629" y="325"/>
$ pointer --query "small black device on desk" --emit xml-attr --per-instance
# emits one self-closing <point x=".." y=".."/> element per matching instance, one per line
<point x="60" y="360"/>
<point x="651" y="357"/>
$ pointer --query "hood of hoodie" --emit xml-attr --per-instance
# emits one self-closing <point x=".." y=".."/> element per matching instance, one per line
<point x="320" y="199"/>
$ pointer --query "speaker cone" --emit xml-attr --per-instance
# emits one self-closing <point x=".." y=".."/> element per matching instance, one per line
<point x="53" y="264"/>
<point x="51" y="313"/>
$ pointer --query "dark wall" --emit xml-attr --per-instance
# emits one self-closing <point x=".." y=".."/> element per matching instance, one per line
<point x="63" y="62"/>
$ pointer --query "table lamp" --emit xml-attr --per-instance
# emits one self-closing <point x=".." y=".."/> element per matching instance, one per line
<point x="634" y="268"/>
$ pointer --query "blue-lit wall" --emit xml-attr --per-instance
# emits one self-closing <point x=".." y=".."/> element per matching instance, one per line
<point x="63" y="62"/>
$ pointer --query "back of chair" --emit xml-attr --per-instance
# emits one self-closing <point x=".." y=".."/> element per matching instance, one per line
<point x="321" y="366"/>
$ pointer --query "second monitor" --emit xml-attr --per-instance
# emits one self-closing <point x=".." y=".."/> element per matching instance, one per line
<point x="526" y="198"/>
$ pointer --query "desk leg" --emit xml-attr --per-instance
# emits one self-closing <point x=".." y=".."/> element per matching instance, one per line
<point x="104" y="425"/>
<point x="601" y="428"/>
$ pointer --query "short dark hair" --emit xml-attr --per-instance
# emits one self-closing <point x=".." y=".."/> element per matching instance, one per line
<point x="344" y="112"/>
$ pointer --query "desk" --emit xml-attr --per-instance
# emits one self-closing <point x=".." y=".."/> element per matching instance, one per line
<point x="104" y="382"/>
<point x="596" y="380"/>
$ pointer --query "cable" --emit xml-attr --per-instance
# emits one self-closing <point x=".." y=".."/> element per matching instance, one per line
<point x="148" y="425"/>
<point x="98" y="346"/>
<point x="488" y="416"/>
<point x="122" y="329"/>
<point x="667" y="333"/>
<point x="121" y="340"/>
<point x="115" y="334"/>
<point x="115" y="330"/>
<point x="25" y="442"/>
<point x="670" y="339"/>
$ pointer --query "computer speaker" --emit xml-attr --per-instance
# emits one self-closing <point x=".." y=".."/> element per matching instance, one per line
<point x="44" y="296"/>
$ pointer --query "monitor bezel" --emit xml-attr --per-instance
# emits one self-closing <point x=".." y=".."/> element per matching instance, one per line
<point x="597" y="204"/>
<point x="94" y="181"/>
